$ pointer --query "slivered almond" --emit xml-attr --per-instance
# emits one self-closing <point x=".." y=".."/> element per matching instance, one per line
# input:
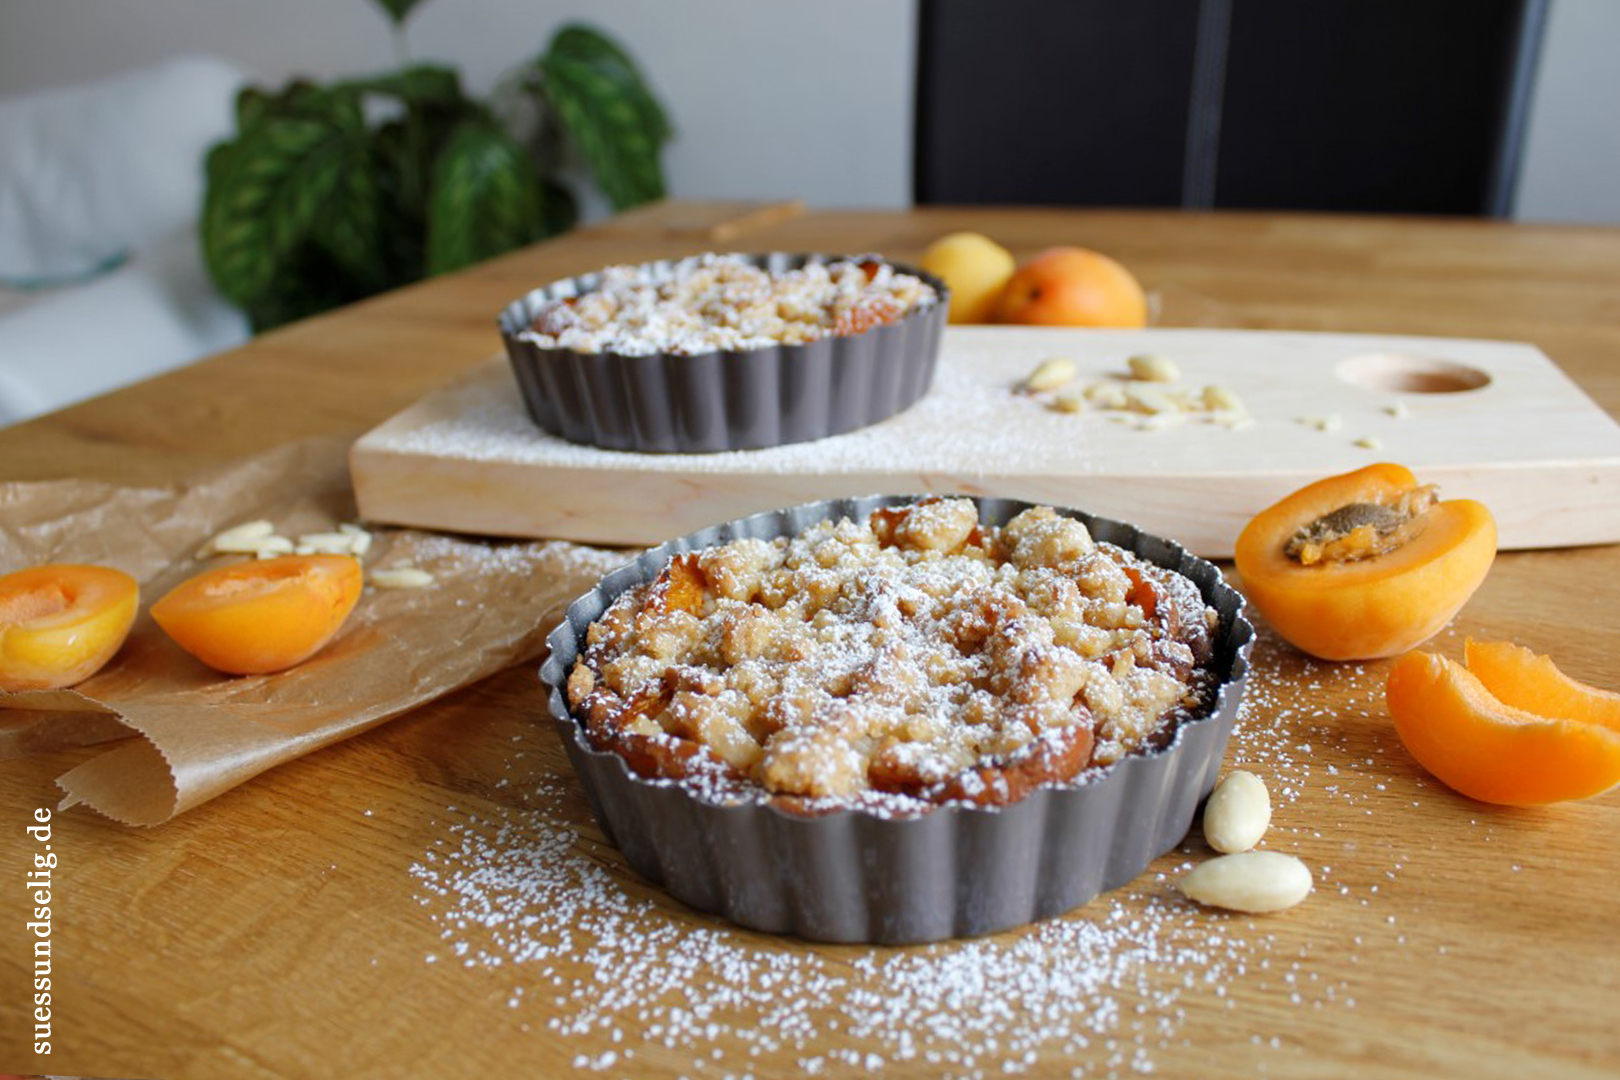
<point x="401" y="577"/>
<point x="1151" y="367"/>
<point x="1220" y="399"/>
<point x="1149" y="400"/>
<point x="243" y="539"/>
<point x="324" y="543"/>
<point x="1050" y="374"/>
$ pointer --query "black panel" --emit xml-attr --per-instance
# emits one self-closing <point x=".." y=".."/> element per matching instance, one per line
<point x="1354" y="105"/>
<point x="1365" y="104"/>
<point x="1076" y="102"/>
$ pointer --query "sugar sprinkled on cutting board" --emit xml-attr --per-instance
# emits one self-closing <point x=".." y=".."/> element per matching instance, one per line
<point x="487" y="423"/>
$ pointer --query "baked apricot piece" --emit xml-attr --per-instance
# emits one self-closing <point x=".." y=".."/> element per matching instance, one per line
<point x="261" y="616"/>
<point x="1489" y="750"/>
<point x="60" y="623"/>
<point x="1364" y="565"/>
<point x="1526" y="680"/>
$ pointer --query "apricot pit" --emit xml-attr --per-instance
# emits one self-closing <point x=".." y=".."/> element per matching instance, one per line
<point x="1364" y="565"/>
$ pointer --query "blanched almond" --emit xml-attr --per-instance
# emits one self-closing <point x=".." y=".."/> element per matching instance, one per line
<point x="1253" y="881"/>
<point x="1050" y="374"/>
<point x="1151" y="367"/>
<point x="1237" y="813"/>
<point x="243" y="539"/>
<point x="401" y="577"/>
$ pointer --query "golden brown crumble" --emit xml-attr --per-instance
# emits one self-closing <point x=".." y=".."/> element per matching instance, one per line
<point x="917" y="654"/>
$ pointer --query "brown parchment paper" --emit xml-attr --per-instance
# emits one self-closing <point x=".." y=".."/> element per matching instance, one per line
<point x="187" y="733"/>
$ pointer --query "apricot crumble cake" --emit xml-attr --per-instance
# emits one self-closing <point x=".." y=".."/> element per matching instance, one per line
<point x="726" y="302"/>
<point x="913" y="659"/>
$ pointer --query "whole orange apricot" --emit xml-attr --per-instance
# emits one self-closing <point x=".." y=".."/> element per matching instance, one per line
<point x="1072" y="286"/>
<point x="976" y="270"/>
<point x="60" y="623"/>
<point x="261" y="616"/>
<point x="1364" y="565"/>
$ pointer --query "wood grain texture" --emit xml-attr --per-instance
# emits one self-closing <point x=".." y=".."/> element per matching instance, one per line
<point x="1525" y="441"/>
<point x="284" y="930"/>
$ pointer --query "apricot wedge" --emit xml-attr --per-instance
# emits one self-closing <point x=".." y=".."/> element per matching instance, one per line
<point x="1366" y="564"/>
<point x="60" y="623"/>
<point x="1492" y="751"/>
<point x="1526" y="680"/>
<point x="264" y="615"/>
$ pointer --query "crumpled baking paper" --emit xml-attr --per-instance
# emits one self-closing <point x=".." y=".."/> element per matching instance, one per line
<point x="185" y="733"/>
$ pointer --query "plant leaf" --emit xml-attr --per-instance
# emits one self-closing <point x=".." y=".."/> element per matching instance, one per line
<point x="269" y="188"/>
<point x="486" y="199"/>
<point x="609" y="113"/>
<point x="398" y="10"/>
<point x="420" y="84"/>
<point x="577" y="41"/>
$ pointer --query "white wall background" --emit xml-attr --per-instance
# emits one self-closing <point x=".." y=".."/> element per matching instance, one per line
<point x="1571" y="170"/>
<point x="771" y="99"/>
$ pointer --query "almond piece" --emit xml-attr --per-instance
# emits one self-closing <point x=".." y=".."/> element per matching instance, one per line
<point x="1050" y="374"/>
<point x="1237" y="813"/>
<point x="1150" y="367"/>
<point x="1257" y="882"/>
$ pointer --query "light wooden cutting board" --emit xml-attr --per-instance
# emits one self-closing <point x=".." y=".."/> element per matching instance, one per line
<point x="1490" y="420"/>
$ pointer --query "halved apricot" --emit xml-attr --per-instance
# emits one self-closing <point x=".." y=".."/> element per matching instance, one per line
<point x="1526" y="680"/>
<point x="261" y="616"/>
<point x="1489" y="750"/>
<point x="1366" y="564"/>
<point x="60" y="623"/>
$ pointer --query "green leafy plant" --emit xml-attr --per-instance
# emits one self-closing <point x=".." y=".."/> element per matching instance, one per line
<point x="330" y="193"/>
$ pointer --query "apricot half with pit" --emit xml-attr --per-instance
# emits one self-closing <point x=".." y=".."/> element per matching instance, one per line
<point x="1364" y="565"/>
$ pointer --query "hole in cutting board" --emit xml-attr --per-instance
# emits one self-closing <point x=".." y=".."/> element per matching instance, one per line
<point x="1405" y="373"/>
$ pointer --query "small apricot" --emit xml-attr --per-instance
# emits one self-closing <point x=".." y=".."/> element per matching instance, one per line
<point x="1364" y="565"/>
<point x="264" y="615"/>
<point x="1071" y="286"/>
<point x="975" y="268"/>
<point x="1488" y="750"/>
<point x="60" y="623"/>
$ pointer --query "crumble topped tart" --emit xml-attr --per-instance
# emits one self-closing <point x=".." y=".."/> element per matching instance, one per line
<point x="711" y="302"/>
<point x="915" y="659"/>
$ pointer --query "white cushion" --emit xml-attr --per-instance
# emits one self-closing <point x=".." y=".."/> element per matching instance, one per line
<point x="156" y="311"/>
<point x="90" y="173"/>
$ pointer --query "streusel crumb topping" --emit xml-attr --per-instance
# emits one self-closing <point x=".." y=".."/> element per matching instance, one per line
<point x="917" y="654"/>
<point x="724" y="302"/>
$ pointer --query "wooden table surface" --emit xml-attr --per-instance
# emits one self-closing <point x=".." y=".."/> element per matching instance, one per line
<point x="431" y="898"/>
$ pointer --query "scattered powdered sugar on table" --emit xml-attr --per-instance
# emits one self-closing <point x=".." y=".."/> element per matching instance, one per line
<point x="1102" y="992"/>
<point x="517" y="890"/>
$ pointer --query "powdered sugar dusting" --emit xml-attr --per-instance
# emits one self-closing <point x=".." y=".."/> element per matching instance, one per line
<point x="485" y="421"/>
<point x="618" y="970"/>
<point x="1106" y="991"/>
<point x="716" y="302"/>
